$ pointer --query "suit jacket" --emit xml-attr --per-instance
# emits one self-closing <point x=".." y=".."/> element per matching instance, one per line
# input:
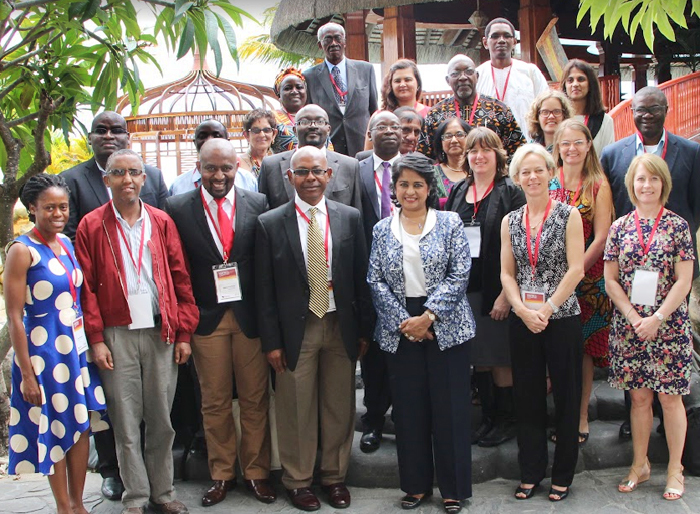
<point x="344" y="186"/>
<point x="348" y="130"/>
<point x="371" y="213"/>
<point x="187" y="210"/>
<point x="283" y="288"/>
<point x="88" y="191"/>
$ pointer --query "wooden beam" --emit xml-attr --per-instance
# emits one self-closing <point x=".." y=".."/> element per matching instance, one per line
<point x="449" y="37"/>
<point x="533" y="17"/>
<point x="398" y="36"/>
<point x="356" y="37"/>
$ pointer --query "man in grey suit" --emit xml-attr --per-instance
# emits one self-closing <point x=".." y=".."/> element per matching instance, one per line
<point x="314" y="318"/>
<point x="312" y="130"/>
<point x="345" y="88"/>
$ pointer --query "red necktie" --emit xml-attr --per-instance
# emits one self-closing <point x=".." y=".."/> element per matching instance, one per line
<point x="225" y="226"/>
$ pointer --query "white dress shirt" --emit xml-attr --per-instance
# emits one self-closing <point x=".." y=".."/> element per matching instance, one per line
<point x="378" y="173"/>
<point x="213" y="220"/>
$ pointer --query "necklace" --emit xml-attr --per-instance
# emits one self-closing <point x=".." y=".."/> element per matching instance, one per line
<point x="456" y="170"/>
<point x="420" y="225"/>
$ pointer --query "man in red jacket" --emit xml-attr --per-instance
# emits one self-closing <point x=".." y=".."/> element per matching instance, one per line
<point x="139" y="317"/>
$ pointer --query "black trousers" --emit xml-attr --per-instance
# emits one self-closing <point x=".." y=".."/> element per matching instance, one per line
<point x="560" y="348"/>
<point x="432" y="407"/>
<point x="107" y="464"/>
<point x="375" y="377"/>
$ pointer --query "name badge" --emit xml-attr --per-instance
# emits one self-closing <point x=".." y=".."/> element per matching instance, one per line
<point x="533" y="298"/>
<point x="228" y="285"/>
<point x="81" y="342"/>
<point x="473" y="233"/>
<point x="141" y="311"/>
<point x="644" y="286"/>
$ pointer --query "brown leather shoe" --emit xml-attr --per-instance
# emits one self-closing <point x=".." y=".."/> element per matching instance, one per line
<point x="304" y="499"/>
<point x="173" y="507"/>
<point x="262" y="490"/>
<point x="338" y="495"/>
<point x="217" y="492"/>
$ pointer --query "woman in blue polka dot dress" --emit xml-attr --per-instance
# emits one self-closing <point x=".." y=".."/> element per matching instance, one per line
<point x="56" y="393"/>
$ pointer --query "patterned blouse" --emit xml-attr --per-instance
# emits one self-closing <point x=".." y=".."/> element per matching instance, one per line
<point x="490" y="113"/>
<point x="551" y="263"/>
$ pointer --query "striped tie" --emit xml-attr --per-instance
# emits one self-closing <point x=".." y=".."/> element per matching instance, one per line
<point x="317" y="268"/>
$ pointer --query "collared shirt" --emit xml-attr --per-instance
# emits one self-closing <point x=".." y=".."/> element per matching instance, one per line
<point x="342" y="66"/>
<point x="655" y="149"/>
<point x="133" y="235"/>
<point x="379" y="174"/>
<point x="104" y="174"/>
<point x="191" y="180"/>
<point x="213" y="220"/>
<point x="322" y="219"/>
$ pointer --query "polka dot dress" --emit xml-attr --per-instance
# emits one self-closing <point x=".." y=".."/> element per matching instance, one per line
<point x="71" y="392"/>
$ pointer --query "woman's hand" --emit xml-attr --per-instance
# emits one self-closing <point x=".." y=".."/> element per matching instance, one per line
<point x="647" y="328"/>
<point x="501" y="308"/>
<point x="535" y="321"/>
<point x="30" y="389"/>
<point x="416" y="327"/>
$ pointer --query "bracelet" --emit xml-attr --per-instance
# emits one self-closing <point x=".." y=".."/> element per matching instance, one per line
<point x="628" y="312"/>
<point x="555" y="309"/>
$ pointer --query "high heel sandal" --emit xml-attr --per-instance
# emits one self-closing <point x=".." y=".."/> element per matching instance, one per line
<point x="629" y="485"/>
<point x="527" y="492"/>
<point x="671" y="493"/>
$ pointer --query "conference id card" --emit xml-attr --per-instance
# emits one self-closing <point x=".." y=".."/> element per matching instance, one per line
<point x="473" y="233"/>
<point x="81" y="342"/>
<point x="533" y="298"/>
<point x="141" y="311"/>
<point x="228" y="284"/>
<point x="645" y="284"/>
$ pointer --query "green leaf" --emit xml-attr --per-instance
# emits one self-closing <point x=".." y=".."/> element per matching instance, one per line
<point x="230" y="37"/>
<point x="3" y="156"/>
<point x="200" y="35"/>
<point x="76" y="9"/>
<point x="181" y="7"/>
<point x="212" y="30"/>
<point x="186" y="39"/>
<point x="661" y="19"/>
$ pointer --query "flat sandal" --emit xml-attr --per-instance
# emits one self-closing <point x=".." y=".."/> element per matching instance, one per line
<point x="629" y="485"/>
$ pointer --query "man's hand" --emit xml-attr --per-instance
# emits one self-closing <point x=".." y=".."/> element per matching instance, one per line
<point x="277" y="360"/>
<point x="362" y="347"/>
<point x="102" y="356"/>
<point x="182" y="352"/>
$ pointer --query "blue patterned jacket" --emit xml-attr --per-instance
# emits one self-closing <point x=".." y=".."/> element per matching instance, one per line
<point x="446" y="263"/>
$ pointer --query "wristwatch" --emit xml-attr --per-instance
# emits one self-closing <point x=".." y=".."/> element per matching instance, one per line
<point x="659" y="316"/>
<point x="555" y="309"/>
<point x="431" y="316"/>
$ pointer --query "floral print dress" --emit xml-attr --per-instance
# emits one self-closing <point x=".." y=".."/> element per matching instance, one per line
<point x="664" y="364"/>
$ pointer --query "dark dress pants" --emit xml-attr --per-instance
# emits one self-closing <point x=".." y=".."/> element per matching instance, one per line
<point x="430" y="389"/>
<point x="375" y="377"/>
<point x="558" y="348"/>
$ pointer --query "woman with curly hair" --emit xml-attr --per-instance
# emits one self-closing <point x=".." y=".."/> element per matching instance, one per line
<point x="546" y="113"/>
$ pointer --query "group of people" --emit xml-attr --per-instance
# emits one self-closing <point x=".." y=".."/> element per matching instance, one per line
<point x="424" y="242"/>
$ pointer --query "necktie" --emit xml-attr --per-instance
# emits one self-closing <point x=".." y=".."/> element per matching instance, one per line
<point x="386" y="193"/>
<point x="317" y="269"/>
<point x="225" y="226"/>
<point x="339" y="85"/>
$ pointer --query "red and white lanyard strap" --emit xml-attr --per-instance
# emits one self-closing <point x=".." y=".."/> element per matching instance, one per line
<point x="73" y="289"/>
<point x="342" y="94"/>
<point x="137" y="267"/>
<point x="663" y="154"/>
<point x="471" y="116"/>
<point x="563" y="188"/>
<point x="534" y="254"/>
<point x="226" y="248"/>
<point x="477" y="204"/>
<point x="505" y="86"/>
<point x="325" y="236"/>
<point x="647" y="246"/>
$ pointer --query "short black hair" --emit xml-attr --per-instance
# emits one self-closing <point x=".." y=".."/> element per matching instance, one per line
<point x="437" y="137"/>
<point x="424" y="167"/>
<point x="36" y="185"/>
<point x="487" y="30"/>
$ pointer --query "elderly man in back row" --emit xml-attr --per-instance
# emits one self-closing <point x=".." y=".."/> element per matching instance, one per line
<point x="475" y="109"/>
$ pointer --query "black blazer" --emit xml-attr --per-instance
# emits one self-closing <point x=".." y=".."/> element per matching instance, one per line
<point x="283" y="288"/>
<point x="371" y="210"/>
<point x="88" y="191"/>
<point x="188" y="213"/>
<point x="344" y="186"/>
<point x="505" y="197"/>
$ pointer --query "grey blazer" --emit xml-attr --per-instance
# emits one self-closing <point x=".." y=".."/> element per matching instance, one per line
<point x="344" y="186"/>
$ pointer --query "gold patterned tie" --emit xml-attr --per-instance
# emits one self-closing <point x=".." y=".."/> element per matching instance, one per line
<point x="317" y="269"/>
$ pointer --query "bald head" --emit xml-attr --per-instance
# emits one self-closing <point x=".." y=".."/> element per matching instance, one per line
<point x="107" y="135"/>
<point x="209" y="129"/>
<point x="217" y="163"/>
<point x="461" y="77"/>
<point x="309" y="135"/>
<point x="650" y="107"/>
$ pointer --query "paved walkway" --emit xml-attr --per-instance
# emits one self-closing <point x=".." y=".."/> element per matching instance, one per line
<point x="592" y="492"/>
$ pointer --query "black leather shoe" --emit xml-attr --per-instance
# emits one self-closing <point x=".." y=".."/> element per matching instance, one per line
<point x="483" y="429"/>
<point x="625" y="431"/>
<point x="112" y="488"/>
<point x="370" y="441"/>
<point x="410" y="502"/>
<point x="500" y="434"/>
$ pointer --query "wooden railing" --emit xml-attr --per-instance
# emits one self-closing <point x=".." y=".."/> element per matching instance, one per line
<point x="683" y="119"/>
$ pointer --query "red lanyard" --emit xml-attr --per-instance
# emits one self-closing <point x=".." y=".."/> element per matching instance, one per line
<point x="73" y="290"/>
<point x="533" y="256"/>
<point x="563" y="188"/>
<point x="646" y="247"/>
<point x="663" y="154"/>
<point x="216" y="227"/>
<point x="325" y="237"/>
<point x="337" y="89"/>
<point x="128" y="246"/>
<point x="477" y="204"/>
<point x="585" y="121"/>
<point x="289" y="115"/>
<point x="505" y="86"/>
<point x="471" y="116"/>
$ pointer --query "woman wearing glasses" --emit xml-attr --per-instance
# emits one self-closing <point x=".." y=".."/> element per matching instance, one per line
<point x="581" y="183"/>
<point x="260" y="130"/>
<point x="450" y="147"/>
<point x="546" y="114"/>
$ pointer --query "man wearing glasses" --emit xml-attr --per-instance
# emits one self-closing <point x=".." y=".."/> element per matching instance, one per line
<point x="139" y="318"/>
<point x="88" y="192"/>
<point x="314" y="315"/>
<point x="345" y="88"/>
<point x="514" y="82"/>
<point x="312" y="129"/>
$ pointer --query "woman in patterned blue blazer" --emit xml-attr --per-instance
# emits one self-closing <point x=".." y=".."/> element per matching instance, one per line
<point x="418" y="275"/>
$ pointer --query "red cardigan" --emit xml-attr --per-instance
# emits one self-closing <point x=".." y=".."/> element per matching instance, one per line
<point x="104" y="295"/>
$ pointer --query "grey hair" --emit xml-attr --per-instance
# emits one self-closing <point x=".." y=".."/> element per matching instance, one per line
<point x="123" y="151"/>
<point x="328" y="26"/>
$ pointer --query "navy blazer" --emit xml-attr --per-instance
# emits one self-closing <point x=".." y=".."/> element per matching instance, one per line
<point x="88" y="191"/>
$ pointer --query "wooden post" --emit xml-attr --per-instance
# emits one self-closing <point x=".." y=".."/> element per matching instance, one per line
<point x="356" y="37"/>
<point x="399" y="35"/>
<point x="533" y="17"/>
<point x="640" y="75"/>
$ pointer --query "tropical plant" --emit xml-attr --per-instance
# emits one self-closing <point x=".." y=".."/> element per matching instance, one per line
<point x="66" y="155"/>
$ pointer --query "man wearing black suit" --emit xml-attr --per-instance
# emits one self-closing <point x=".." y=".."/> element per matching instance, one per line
<point x="88" y="192"/>
<point x="312" y="130"/>
<point x="385" y="134"/>
<point x="345" y="88"/>
<point x="314" y="316"/>
<point x="216" y="223"/>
